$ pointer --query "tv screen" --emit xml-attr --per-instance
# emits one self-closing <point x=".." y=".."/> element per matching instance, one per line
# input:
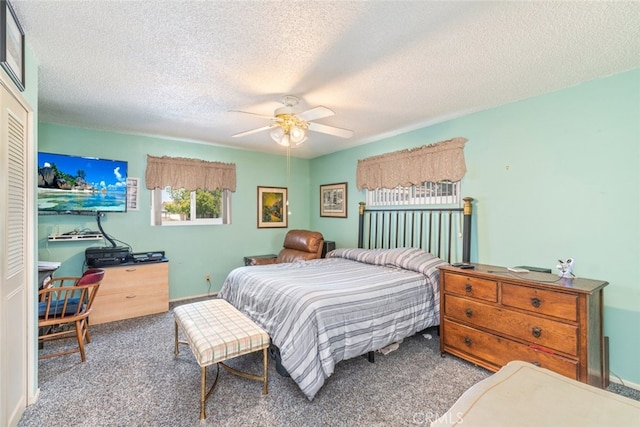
<point x="73" y="184"/>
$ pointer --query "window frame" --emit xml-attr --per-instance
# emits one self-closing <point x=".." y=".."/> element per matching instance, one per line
<point x="156" y="210"/>
<point x="407" y="196"/>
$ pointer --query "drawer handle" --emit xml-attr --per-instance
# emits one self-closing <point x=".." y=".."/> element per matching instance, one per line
<point x="468" y="341"/>
<point x="536" y="332"/>
<point x="468" y="312"/>
<point x="468" y="288"/>
<point x="130" y="270"/>
<point x="131" y="296"/>
<point x="535" y="302"/>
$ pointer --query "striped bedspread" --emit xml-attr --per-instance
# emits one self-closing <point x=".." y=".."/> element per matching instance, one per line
<point x="323" y="311"/>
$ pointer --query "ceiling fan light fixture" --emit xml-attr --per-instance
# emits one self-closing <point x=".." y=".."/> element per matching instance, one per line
<point x="276" y="134"/>
<point x="297" y="135"/>
<point x="289" y="132"/>
<point x="285" y="141"/>
<point x="290" y="128"/>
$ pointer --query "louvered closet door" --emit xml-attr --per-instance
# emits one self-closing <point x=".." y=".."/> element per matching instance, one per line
<point x="13" y="262"/>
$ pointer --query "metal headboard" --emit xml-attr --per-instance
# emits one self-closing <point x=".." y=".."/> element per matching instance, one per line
<point x="444" y="232"/>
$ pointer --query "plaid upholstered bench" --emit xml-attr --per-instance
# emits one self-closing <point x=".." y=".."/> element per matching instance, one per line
<point x="216" y="331"/>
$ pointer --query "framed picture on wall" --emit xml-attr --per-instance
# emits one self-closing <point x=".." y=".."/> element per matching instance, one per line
<point x="133" y="196"/>
<point x="11" y="44"/>
<point x="272" y="207"/>
<point x="333" y="200"/>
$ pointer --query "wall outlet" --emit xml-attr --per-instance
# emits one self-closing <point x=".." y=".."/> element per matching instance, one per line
<point x="207" y="278"/>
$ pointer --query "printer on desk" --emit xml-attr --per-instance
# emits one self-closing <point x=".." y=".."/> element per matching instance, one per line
<point x="106" y="256"/>
<point x="110" y="256"/>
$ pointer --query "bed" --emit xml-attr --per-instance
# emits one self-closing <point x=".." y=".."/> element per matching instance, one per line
<point x="357" y="300"/>
<point x="523" y="394"/>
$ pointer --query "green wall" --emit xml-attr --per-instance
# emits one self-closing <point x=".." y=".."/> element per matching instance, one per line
<point x="555" y="176"/>
<point x="193" y="251"/>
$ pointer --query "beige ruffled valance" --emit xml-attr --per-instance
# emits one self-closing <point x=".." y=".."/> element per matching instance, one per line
<point x="190" y="174"/>
<point x="430" y="163"/>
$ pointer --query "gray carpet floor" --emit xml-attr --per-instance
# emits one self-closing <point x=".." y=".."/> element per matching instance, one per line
<point x="131" y="378"/>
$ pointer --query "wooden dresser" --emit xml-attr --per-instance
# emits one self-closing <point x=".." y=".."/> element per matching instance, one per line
<point x="131" y="290"/>
<point x="490" y="316"/>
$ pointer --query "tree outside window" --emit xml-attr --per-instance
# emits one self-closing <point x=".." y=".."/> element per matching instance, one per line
<point x="182" y="206"/>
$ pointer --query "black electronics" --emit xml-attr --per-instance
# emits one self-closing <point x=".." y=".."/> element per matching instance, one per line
<point x="328" y="247"/>
<point x="102" y="257"/>
<point x="147" y="256"/>
<point x="463" y="265"/>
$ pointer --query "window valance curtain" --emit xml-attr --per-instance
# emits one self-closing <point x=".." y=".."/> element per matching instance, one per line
<point x="190" y="174"/>
<point x="430" y="163"/>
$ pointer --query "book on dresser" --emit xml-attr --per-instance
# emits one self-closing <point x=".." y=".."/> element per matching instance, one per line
<point x="490" y="316"/>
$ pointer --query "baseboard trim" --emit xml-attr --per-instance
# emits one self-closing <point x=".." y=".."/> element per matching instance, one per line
<point x="615" y="379"/>
<point x="34" y="398"/>
<point x="211" y="295"/>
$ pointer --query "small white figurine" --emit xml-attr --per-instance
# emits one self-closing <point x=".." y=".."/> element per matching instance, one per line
<point x="566" y="268"/>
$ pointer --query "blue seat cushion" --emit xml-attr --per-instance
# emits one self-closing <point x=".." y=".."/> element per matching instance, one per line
<point x="57" y="306"/>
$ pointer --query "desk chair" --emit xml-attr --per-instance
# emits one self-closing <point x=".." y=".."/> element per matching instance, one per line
<point x="64" y="302"/>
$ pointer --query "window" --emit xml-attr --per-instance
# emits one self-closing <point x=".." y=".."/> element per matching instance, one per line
<point x="428" y="193"/>
<point x="182" y="207"/>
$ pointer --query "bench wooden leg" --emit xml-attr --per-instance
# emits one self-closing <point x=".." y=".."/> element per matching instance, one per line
<point x="203" y="391"/>
<point x="265" y="387"/>
<point x="175" y="349"/>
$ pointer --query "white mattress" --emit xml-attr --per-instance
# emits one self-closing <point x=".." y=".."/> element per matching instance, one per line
<point x="521" y="394"/>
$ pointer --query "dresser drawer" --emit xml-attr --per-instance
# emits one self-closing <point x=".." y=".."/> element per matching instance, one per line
<point x="548" y="333"/>
<point x="473" y="287"/>
<point x="499" y="351"/>
<point x="556" y="304"/>
<point x="131" y="278"/>
<point x="131" y="290"/>
<point x="124" y="305"/>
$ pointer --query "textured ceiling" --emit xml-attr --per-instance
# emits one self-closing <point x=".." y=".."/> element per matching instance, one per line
<point x="176" y="68"/>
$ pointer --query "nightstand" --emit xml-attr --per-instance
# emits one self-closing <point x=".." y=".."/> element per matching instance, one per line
<point x="328" y="247"/>
<point x="250" y="260"/>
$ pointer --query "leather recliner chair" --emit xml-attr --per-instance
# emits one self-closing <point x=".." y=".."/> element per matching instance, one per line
<point x="298" y="245"/>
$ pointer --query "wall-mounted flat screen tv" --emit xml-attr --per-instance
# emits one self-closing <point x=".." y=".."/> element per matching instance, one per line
<point x="74" y="184"/>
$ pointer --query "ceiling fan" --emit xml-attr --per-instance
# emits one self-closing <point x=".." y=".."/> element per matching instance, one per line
<point x="289" y="128"/>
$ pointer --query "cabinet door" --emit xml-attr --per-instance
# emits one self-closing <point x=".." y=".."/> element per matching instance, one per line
<point x="15" y="322"/>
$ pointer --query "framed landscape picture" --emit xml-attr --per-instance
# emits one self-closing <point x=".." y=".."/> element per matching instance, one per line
<point x="333" y="200"/>
<point x="272" y="207"/>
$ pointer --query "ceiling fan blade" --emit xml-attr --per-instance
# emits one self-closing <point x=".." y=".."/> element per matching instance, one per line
<point x="342" y="133"/>
<point x="253" y="114"/>
<point x="252" y="131"/>
<point x="316" y="113"/>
